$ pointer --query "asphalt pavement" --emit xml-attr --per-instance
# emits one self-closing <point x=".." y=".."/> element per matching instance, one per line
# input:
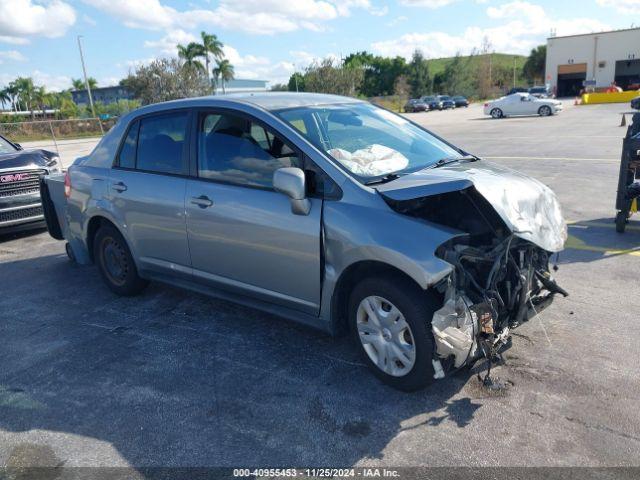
<point x="172" y="378"/>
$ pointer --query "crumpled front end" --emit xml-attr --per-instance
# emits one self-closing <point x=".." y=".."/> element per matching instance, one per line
<point x="511" y="225"/>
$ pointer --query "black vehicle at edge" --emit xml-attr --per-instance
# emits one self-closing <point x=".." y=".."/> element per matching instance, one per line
<point x="20" y="173"/>
<point x="635" y="103"/>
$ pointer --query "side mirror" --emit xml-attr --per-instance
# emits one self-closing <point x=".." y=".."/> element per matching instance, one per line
<point x="291" y="182"/>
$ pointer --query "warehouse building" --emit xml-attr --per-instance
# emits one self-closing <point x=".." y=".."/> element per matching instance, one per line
<point x="593" y="60"/>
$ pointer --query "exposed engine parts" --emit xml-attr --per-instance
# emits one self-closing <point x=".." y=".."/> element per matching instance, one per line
<point x="499" y="281"/>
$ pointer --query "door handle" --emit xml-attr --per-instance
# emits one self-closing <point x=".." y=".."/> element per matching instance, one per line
<point x="119" y="187"/>
<point x="202" y="201"/>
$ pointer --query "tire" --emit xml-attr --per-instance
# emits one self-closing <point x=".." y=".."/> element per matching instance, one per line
<point x="496" y="113"/>
<point x="415" y="341"/>
<point x="621" y="222"/>
<point x="545" y="111"/>
<point x="115" y="263"/>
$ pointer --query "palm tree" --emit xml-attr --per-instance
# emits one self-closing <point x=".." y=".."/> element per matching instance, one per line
<point x="41" y="97"/>
<point x="224" y="72"/>
<point x="25" y="88"/>
<point x="5" y="97"/>
<point x="189" y="54"/>
<point x="78" y="83"/>
<point x="211" y="45"/>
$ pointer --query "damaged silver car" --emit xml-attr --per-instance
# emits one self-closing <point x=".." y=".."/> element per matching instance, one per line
<point x="323" y="209"/>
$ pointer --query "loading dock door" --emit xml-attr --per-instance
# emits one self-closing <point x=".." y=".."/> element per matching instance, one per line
<point x="570" y="78"/>
<point x="627" y="73"/>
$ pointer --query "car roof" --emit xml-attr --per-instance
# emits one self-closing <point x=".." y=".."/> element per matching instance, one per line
<point x="266" y="100"/>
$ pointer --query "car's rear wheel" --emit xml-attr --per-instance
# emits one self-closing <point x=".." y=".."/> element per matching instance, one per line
<point x="390" y="319"/>
<point x="116" y="265"/>
<point x="544" y="111"/>
<point x="496" y="113"/>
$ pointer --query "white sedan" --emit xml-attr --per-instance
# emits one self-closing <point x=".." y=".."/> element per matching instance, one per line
<point x="522" y="104"/>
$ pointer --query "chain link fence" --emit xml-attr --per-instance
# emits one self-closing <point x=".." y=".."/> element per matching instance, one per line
<point x="68" y="138"/>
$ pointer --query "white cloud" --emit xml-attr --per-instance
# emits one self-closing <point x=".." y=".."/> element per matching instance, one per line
<point x="168" y="44"/>
<point x="626" y="7"/>
<point x="21" y="19"/>
<point x="427" y="3"/>
<point x="251" y="16"/>
<point x="12" y="55"/>
<point x="53" y="83"/>
<point x="397" y="20"/>
<point x="523" y="25"/>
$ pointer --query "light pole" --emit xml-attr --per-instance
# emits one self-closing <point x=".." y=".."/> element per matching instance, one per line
<point x="86" y="83"/>
<point x="514" y="72"/>
<point x="295" y="76"/>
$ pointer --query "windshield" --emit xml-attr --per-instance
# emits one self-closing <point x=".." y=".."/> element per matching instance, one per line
<point x="444" y="97"/>
<point x="6" y="147"/>
<point x="368" y="141"/>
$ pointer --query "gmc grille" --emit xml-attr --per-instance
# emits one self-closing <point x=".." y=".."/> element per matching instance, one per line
<point x="13" y="215"/>
<point x="27" y="182"/>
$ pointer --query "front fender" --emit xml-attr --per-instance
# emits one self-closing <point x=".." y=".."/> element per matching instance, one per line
<point x="356" y="233"/>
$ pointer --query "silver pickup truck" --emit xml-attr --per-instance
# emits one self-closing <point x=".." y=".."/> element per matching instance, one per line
<point x="327" y="210"/>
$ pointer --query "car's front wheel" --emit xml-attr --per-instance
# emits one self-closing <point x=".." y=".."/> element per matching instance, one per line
<point x="545" y="111"/>
<point x="115" y="262"/>
<point x="390" y="319"/>
<point x="496" y="113"/>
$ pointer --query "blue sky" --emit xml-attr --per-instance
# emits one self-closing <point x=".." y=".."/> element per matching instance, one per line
<point x="269" y="39"/>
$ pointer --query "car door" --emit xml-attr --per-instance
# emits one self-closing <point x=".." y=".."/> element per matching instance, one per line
<point x="147" y="187"/>
<point x="243" y="236"/>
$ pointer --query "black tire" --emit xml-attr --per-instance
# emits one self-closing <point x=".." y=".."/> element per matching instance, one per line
<point x="545" y="111"/>
<point x="621" y="222"/>
<point x="417" y="307"/>
<point x="115" y="263"/>
<point x="496" y="113"/>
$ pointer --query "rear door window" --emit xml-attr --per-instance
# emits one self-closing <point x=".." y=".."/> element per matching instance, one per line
<point x="160" y="143"/>
<point x="127" y="157"/>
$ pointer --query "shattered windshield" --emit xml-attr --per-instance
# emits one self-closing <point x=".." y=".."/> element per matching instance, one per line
<point x="366" y="140"/>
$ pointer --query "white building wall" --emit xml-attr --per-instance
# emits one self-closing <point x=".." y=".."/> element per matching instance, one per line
<point x="592" y="49"/>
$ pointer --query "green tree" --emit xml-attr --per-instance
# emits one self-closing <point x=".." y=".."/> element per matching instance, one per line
<point x="78" y="83"/>
<point x="211" y="46"/>
<point x="223" y="73"/>
<point x="418" y="74"/>
<point x="165" y="79"/>
<point x="5" y="97"/>
<point x="296" y="82"/>
<point x="326" y="77"/>
<point x="189" y="55"/>
<point x="41" y="98"/>
<point x="534" y="66"/>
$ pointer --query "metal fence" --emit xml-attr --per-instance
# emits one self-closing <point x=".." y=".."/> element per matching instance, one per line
<point x="51" y="131"/>
<point x="68" y="138"/>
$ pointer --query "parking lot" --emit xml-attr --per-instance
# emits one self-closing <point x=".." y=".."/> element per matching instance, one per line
<point x="177" y="379"/>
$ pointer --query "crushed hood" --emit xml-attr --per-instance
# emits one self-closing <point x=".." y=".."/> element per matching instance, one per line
<point x="529" y="208"/>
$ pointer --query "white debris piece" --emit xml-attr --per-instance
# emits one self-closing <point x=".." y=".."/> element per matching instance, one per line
<point x="371" y="161"/>
<point x="453" y="330"/>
